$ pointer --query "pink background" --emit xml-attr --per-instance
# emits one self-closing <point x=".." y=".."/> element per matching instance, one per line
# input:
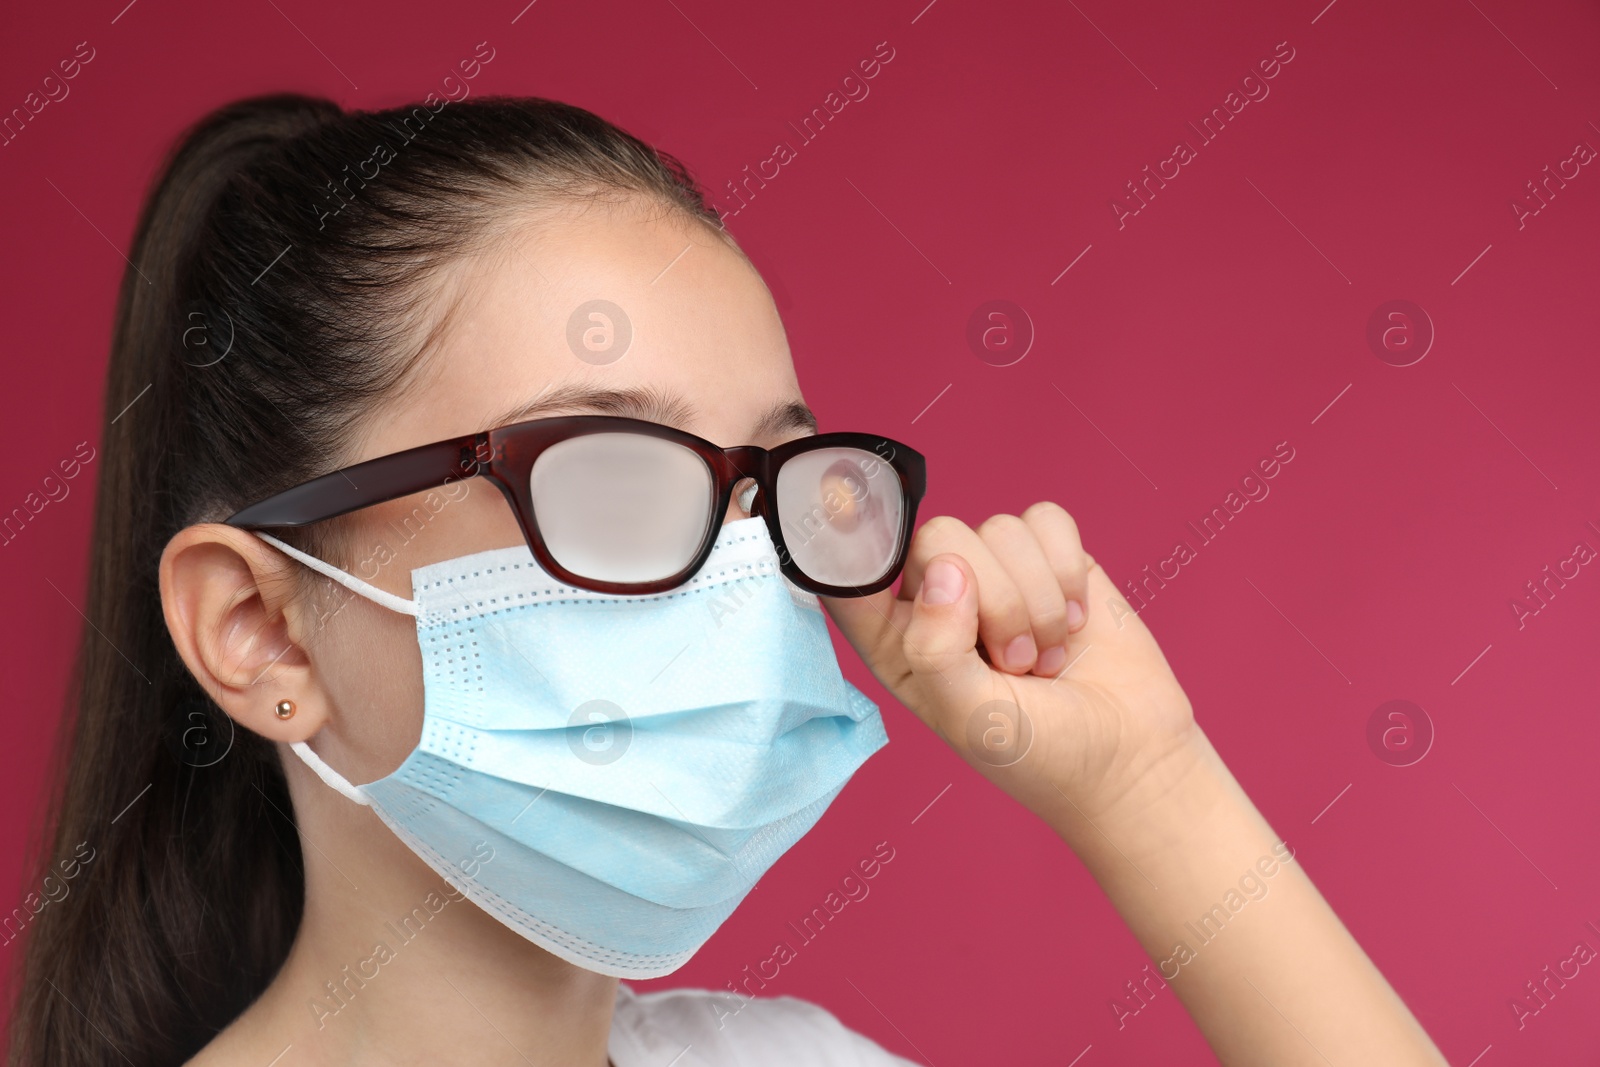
<point x="1224" y="318"/>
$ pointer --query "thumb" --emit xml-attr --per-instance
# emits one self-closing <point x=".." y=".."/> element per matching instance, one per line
<point x="941" y="645"/>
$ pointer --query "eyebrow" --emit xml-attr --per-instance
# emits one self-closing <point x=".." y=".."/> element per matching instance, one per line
<point x="652" y="405"/>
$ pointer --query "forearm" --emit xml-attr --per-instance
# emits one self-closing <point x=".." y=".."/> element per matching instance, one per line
<point x="1264" y="966"/>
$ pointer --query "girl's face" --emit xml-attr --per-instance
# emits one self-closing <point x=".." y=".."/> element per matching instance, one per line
<point x="707" y="354"/>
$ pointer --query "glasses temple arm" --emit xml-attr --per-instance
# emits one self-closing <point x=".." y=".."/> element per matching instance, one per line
<point x="373" y="482"/>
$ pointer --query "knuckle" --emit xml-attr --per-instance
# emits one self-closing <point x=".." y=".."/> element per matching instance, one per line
<point x="1052" y="619"/>
<point x="1000" y="524"/>
<point x="1006" y="613"/>
<point x="1045" y="507"/>
<point x="941" y="528"/>
<point x="922" y="657"/>
<point x="1073" y="572"/>
<point x="1050" y="511"/>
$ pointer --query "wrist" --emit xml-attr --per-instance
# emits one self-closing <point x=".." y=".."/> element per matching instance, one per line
<point x="1159" y="804"/>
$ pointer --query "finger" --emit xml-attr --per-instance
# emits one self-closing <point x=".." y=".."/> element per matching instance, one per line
<point x="1017" y="547"/>
<point x="1057" y="534"/>
<point x="941" y="641"/>
<point x="1003" y="624"/>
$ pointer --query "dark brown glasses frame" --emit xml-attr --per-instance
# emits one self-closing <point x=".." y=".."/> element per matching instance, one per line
<point x="506" y="455"/>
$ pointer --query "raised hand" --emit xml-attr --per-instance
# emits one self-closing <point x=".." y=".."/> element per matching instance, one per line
<point x="1014" y="646"/>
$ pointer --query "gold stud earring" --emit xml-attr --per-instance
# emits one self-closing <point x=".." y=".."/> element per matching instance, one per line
<point x="284" y="710"/>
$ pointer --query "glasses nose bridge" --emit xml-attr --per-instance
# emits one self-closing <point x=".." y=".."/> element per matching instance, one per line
<point x="748" y="461"/>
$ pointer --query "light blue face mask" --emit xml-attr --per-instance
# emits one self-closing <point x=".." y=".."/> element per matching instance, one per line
<point x="636" y="763"/>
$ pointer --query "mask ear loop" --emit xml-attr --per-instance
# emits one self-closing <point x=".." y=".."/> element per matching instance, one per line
<point x="371" y="592"/>
<point x="349" y="581"/>
<point x="328" y="774"/>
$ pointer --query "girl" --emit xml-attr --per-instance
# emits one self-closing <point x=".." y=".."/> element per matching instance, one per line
<point x="470" y="535"/>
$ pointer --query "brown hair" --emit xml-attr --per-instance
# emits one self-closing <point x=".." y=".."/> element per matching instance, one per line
<point x="262" y="233"/>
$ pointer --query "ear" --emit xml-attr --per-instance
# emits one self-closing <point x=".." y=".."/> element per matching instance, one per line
<point x="230" y="602"/>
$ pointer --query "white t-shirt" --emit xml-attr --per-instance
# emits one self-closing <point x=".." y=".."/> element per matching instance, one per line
<point x="699" y="1028"/>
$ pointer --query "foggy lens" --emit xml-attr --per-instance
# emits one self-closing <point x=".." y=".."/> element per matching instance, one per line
<point x="840" y="510"/>
<point x="621" y="507"/>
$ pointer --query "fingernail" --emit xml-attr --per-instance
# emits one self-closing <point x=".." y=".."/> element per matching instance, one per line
<point x="1074" y="614"/>
<point x="1051" y="660"/>
<point x="1019" y="653"/>
<point x="943" y="583"/>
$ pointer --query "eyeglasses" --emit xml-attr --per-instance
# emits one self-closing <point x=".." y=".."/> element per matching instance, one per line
<point x="620" y="505"/>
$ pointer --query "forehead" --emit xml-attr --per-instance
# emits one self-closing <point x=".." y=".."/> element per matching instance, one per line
<point x="597" y="297"/>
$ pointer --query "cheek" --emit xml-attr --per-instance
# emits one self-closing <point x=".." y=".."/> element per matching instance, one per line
<point x="372" y="669"/>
